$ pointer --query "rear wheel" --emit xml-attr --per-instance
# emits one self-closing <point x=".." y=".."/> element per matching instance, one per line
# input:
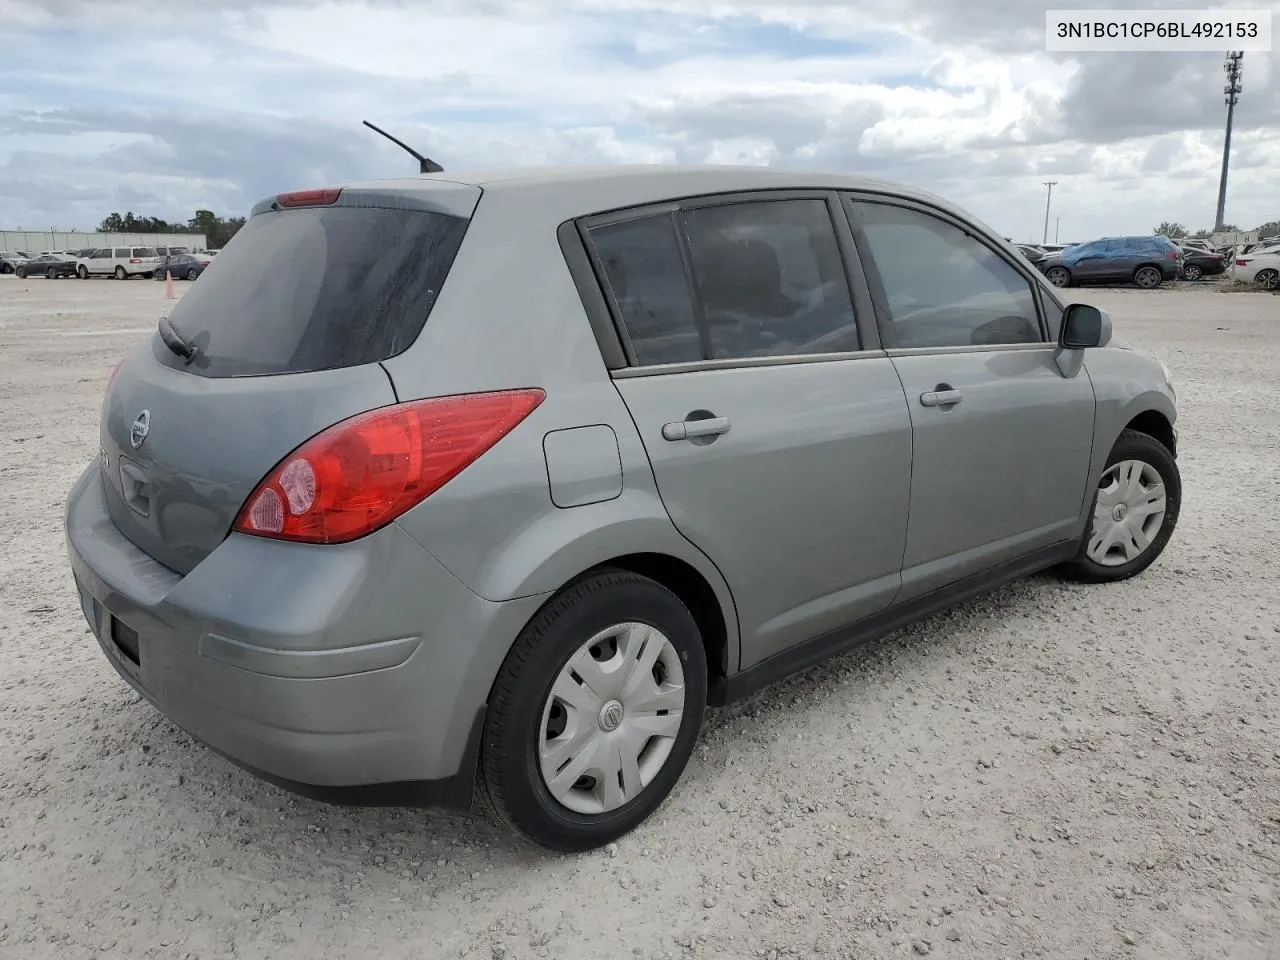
<point x="1268" y="279"/>
<point x="1135" y="511"/>
<point x="1058" y="276"/>
<point x="82" y="272"/>
<point x="1148" y="278"/>
<point x="594" y="713"/>
<point x="120" y="274"/>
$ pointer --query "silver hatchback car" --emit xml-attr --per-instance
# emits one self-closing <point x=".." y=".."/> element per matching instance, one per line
<point x="475" y="487"/>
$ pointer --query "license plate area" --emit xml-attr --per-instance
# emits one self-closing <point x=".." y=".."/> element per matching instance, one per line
<point x="125" y="640"/>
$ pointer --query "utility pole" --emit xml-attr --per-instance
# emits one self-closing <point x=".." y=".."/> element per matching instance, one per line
<point x="1057" y="225"/>
<point x="1050" y="184"/>
<point x="1233" y="69"/>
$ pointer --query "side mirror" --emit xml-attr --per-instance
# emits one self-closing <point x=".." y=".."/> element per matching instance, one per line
<point x="1084" y="327"/>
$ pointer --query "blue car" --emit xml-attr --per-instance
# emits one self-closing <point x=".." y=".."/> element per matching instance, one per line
<point x="1143" y="261"/>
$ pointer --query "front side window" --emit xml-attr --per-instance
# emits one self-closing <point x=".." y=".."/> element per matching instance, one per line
<point x="943" y="287"/>
<point x="770" y="279"/>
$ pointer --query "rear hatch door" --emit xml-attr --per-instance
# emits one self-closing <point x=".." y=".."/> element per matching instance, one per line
<point x="289" y="333"/>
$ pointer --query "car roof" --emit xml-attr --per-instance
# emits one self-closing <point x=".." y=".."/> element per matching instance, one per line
<point x="573" y="191"/>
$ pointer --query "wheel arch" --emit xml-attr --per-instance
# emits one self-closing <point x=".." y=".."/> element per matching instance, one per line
<point x="1157" y="426"/>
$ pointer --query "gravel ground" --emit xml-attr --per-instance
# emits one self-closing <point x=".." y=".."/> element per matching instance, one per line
<point x="1054" y="771"/>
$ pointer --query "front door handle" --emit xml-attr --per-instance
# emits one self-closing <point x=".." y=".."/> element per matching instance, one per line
<point x="688" y="429"/>
<point x="942" y="396"/>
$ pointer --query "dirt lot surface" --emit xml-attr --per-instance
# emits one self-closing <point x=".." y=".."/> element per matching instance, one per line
<point x="1054" y="771"/>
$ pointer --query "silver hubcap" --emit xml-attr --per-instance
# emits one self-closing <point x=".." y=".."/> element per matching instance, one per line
<point x="1269" y="280"/>
<point x="1128" y="515"/>
<point x="1058" y="278"/>
<point x="611" y="719"/>
<point x="1147" y="278"/>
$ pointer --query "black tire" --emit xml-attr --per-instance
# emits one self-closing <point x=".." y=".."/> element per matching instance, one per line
<point x="510" y="780"/>
<point x="120" y="274"/>
<point x="1192" y="272"/>
<point x="1058" y="276"/>
<point x="82" y="272"/>
<point x="52" y="273"/>
<point x="1133" y="445"/>
<point x="191" y="274"/>
<point x="1268" y="279"/>
<point x="1147" y="277"/>
<point x="6" y="268"/>
<point x="21" y="273"/>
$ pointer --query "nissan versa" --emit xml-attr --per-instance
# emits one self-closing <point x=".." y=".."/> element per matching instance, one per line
<point x="453" y="488"/>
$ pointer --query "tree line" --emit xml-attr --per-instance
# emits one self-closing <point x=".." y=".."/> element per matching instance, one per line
<point x="216" y="229"/>
<point x="1176" y="231"/>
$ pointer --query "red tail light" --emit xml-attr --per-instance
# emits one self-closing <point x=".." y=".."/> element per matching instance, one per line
<point x="1242" y="263"/>
<point x="309" y="198"/>
<point x="135" y="259"/>
<point x="1173" y="254"/>
<point x="362" y="473"/>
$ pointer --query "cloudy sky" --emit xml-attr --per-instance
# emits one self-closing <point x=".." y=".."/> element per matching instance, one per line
<point x="163" y="107"/>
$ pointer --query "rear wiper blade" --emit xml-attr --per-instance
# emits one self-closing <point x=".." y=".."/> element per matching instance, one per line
<point x="175" y="341"/>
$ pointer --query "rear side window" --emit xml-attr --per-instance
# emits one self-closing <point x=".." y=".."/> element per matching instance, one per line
<point x="317" y="289"/>
<point x="145" y="252"/>
<point x="122" y="251"/>
<point x="645" y="274"/>
<point x="771" y="279"/>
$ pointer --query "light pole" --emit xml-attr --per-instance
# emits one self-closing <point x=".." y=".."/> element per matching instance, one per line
<point x="1048" y="197"/>
<point x="1057" y="225"/>
<point x="1233" y="69"/>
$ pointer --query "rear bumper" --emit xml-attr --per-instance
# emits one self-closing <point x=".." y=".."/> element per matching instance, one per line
<point x="355" y="673"/>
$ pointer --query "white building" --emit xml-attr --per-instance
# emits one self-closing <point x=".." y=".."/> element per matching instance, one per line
<point x="35" y="242"/>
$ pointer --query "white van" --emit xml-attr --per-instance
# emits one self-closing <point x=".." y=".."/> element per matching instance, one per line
<point x="119" y="262"/>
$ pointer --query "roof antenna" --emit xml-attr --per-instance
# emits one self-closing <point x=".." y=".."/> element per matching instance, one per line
<point x="424" y="165"/>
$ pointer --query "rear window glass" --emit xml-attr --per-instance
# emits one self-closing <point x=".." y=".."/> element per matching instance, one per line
<point x="120" y="252"/>
<point x="317" y="289"/>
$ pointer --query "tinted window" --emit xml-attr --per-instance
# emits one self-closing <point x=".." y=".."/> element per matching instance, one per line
<point x="943" y="287"/>
<point x="770" y="278"/>
<point x="646" y="278"/>
<point x="121" y="252"/>
<point x="101" y="254"/>
<point x="316" y="289"/>
<point x="145" y="252"/>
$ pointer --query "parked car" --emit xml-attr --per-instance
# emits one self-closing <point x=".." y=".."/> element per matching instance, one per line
<point x="1198" y="263"/>
<point x="358" y="529"/>
<point x="184" y="266"/>
<point x="1194" y="243"/>
<point x="1035" y="255"/>
<point x="10" y="260"/>
<point x="1262" y="269"/>
<point x="1143" y="261"/>
<point x="119" y="262"/>
<point x="48" y="265"/>
<point x="163" y="252"/>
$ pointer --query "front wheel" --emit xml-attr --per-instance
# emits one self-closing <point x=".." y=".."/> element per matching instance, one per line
<point x="1268" y="279"/>
<point x="1148" y="278"/>
<point x="1135" y="511"/>
<point x="1192" y="272"/>
<point x="22" y="274"/>
<point x="594" y="713"/>
<point x="82" y="272"/>
<point x="1058" y="276"/>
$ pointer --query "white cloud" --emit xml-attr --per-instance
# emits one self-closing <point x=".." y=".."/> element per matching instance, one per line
<point x="219" y="104"/>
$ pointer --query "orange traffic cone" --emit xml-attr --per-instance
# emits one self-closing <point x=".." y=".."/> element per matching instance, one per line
<point x="168" y="286"/>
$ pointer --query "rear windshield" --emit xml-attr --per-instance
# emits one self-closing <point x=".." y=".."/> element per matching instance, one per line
<point x="316" y="289"/>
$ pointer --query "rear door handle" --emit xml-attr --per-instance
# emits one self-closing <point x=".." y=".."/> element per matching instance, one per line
<point x="688" y="429"/>
<point x="941" y="397"/>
